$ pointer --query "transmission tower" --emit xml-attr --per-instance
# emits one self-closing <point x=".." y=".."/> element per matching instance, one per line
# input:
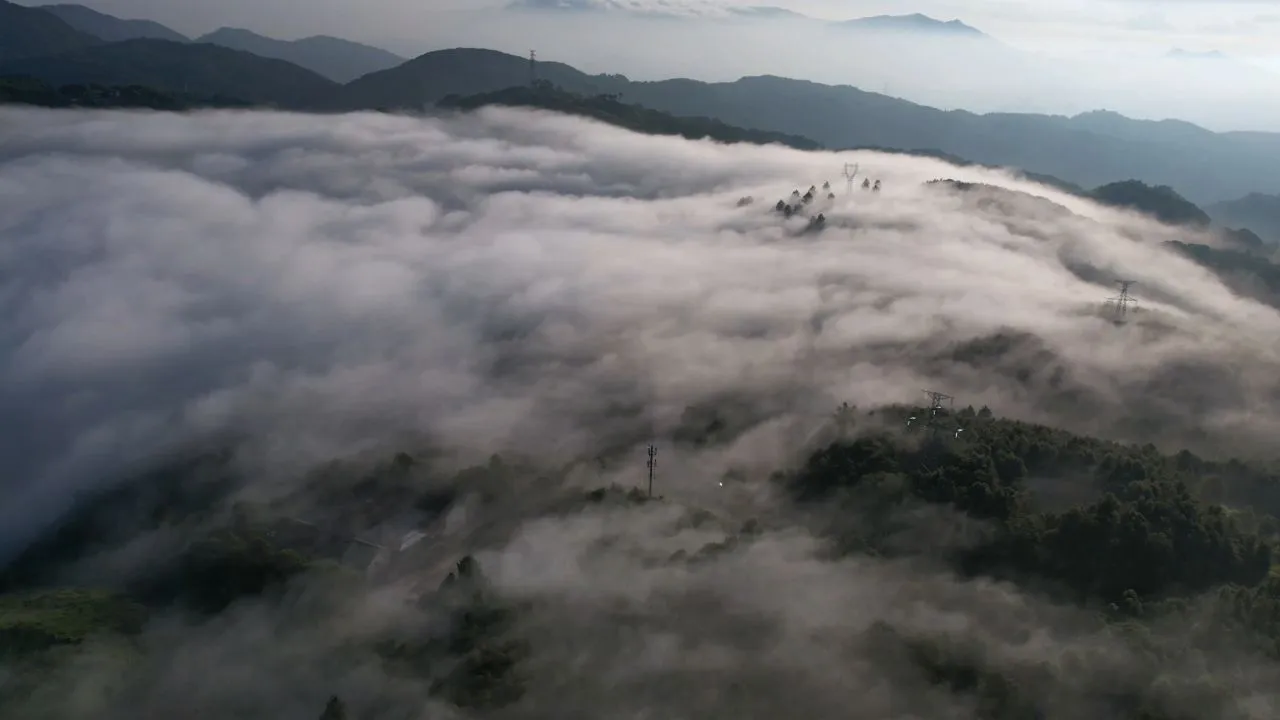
<point x="653" y="465"/>
<point x="533" y="68"/>
<point x="1120" y="304"/>
<point x="940" y="405"/>
<point x="938" y="402"/>
<point x="850" y="172"/>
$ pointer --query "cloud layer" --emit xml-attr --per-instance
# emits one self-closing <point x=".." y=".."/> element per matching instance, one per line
<point x="506" y="279"/>
<point x="521" y="281"/>
<point x="513" y="281"/>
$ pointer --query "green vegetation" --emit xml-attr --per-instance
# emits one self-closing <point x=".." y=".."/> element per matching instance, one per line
<point x="1145" y="536"/>
<point x="34" y="621"/>
<point x="1150" y="546"/>
<point x="196" y="69"/>
<point x="1150" y="537"/>
<point x="28" y="91"/>
<point x="1161" y="202"/>
<point x="608" y="108"/>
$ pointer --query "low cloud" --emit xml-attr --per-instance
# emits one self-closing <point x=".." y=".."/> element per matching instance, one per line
<point x="307" y="287"/>
<point x="501" y="281"/>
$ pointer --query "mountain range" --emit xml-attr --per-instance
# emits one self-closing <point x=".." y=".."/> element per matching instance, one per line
<point x="914" y="22"/>
<point x="334" y="58"/>
<point x="110" y="28"/>
<point x="337" y="59"/>
<point x="68" y="44"/>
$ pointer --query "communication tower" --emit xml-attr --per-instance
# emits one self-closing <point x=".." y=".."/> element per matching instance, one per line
<point x="533" y="68"/>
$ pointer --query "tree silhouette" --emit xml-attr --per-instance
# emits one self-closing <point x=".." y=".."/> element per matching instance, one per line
<point x="335" y="709"/>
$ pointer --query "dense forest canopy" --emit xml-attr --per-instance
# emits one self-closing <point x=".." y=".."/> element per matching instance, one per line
<point x="1151" y="540"/>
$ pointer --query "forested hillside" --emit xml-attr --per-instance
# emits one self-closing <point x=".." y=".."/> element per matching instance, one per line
<point x="1143" y="538"/>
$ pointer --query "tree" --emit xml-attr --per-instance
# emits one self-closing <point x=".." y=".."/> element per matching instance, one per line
<point x="335" y="709"/>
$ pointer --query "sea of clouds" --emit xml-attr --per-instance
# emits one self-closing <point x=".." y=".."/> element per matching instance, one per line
<point x="305" y="287"/>
<point x="317" y="284"/>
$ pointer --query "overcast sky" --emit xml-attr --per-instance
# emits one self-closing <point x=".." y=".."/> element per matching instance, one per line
<point x="1241" y="28"/>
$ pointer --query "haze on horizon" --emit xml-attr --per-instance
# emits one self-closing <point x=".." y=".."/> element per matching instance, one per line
<point x="1059" y="58"/>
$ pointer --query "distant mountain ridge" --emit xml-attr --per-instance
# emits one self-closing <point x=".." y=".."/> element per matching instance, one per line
<point x="48" y="30"/>
<point x="28" y="32"/>
<point x="1256" y="211"/>
<point x="1089" y="149"/>
<point x="337" y="59"/>
<point x="109" y="27"/>
<point x="914" y="22"/>
<point x="676" y="9"/>
<point x="1086" y="150"/>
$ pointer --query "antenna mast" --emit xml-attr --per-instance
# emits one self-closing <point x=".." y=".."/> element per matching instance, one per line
<point x="653" y="465"/>
<point x="850" y="171"/>
<point x="1120" y="304"/>
<point x="533" y="68"/>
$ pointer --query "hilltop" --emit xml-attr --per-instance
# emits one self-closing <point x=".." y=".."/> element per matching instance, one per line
<point x="27" y="32"/>
<point x="110" y="28"/>
<point x="336" y="59"/>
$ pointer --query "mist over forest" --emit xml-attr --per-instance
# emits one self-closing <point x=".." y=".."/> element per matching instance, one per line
<point x="348" y="416"/>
